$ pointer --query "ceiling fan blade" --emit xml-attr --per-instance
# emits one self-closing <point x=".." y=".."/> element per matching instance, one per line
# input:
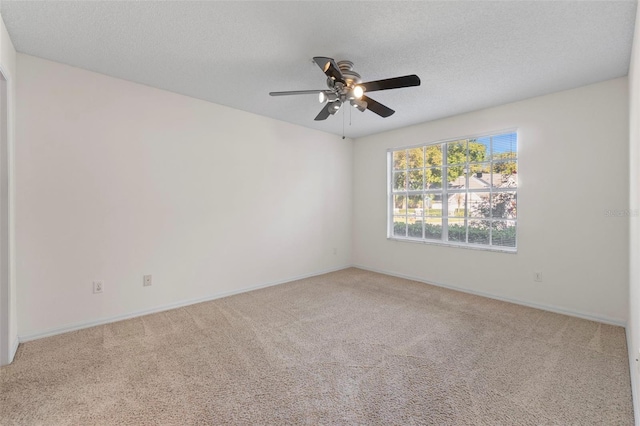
<point x="324" y="113"/>
<point x="329" y="67"/>
<point x="377" y="107"/>
<point x="391" y="83"/>
<point x="296" y="92"/>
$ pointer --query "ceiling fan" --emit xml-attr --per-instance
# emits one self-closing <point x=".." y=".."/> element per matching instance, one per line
<point x="345" y="85"/>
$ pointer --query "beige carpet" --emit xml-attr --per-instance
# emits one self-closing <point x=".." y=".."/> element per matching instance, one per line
<point x="350" y="347"/>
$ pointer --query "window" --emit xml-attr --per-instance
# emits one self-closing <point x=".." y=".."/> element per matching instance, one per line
<point x="460" y="192"/>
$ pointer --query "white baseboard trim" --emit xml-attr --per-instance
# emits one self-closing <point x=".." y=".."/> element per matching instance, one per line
<point x="544" y="307"/>
<point x="635" y="396"/>
<point x="107" y="320"/>
<point x="13" y="349"/>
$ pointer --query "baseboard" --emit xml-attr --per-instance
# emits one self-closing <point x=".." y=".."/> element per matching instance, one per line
<point x="550" y="308"/>
<point x="180" y="304"/>
<point x="107" y="320"/>
<point x="13" y="349"/>
<point x="634" y="379"/>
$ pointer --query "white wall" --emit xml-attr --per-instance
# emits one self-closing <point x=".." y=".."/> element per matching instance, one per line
<point x="633" y="326"/>
<point x="117" y="180"/>
<point x="572" y="166"/>
<point x="9" y="344"/>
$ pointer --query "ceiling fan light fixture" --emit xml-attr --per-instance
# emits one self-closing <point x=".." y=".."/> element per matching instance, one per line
<point x="327" y="96"/>
<point x="358" y="91"/>
<point x="335" y="107"/>
<point x="360" y="104"/>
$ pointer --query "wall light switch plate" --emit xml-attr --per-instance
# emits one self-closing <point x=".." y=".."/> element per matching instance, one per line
<point x="98" y="286"/>
<point x="146" y="281"/>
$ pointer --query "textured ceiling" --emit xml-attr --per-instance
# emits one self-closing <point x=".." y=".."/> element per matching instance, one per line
<point x="469" y="55"/>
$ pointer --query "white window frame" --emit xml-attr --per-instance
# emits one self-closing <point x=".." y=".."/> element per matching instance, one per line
<point x="445" y="192"/>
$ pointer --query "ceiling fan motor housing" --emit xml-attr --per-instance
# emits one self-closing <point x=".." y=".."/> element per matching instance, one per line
<point x="350" y="76"/>
<point x="351" y="79"/>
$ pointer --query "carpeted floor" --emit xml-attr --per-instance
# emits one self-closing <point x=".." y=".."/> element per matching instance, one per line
<point x="350" y="347"/>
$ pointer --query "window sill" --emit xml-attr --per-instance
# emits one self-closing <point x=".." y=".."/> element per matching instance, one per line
<point x="509" y="250"/>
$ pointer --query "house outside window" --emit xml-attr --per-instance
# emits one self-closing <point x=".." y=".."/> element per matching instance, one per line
<point x="460" y="192"/>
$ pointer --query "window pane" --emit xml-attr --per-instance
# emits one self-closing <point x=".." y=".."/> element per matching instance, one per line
<point x="433" y="178"/>
<point x="480" y="176"/>
<point x="505" y="174"/>
<point x="433" y="229"/>
<point x="479" y="204"/>
<point x="457" y="230"/>
<point x="479" y="231"/>
<point x="457" y="152"/>
<point x="399" y="226"/>
<point x="456" y="177"/>
<point x="479" y="150"/>
<point x="415" y="206"/>
<point x="399" y="160"/>
<point x="503" y="233"/>
<point x="433" y="154"/>
<point x="457" y="204"/>
<point x="400" y="181"/>
<point x="399" y="204"/>
<point x="415" y="229"/>
<point x="505" y="146"/>
<point x="433" y="205"/>
<point x="416" y="158"/>
<point x="503" y="205"/>
<point x="416" y="180"/>
<point x="463" y="191"/>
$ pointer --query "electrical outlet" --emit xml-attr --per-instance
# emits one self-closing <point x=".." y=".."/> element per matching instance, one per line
<point x="98" y="286"/>
<point x="146" y="281"/>
<point x="537" y="276"/>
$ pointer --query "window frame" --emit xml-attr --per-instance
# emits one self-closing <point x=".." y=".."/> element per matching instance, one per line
<point x="446" y="192"/>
